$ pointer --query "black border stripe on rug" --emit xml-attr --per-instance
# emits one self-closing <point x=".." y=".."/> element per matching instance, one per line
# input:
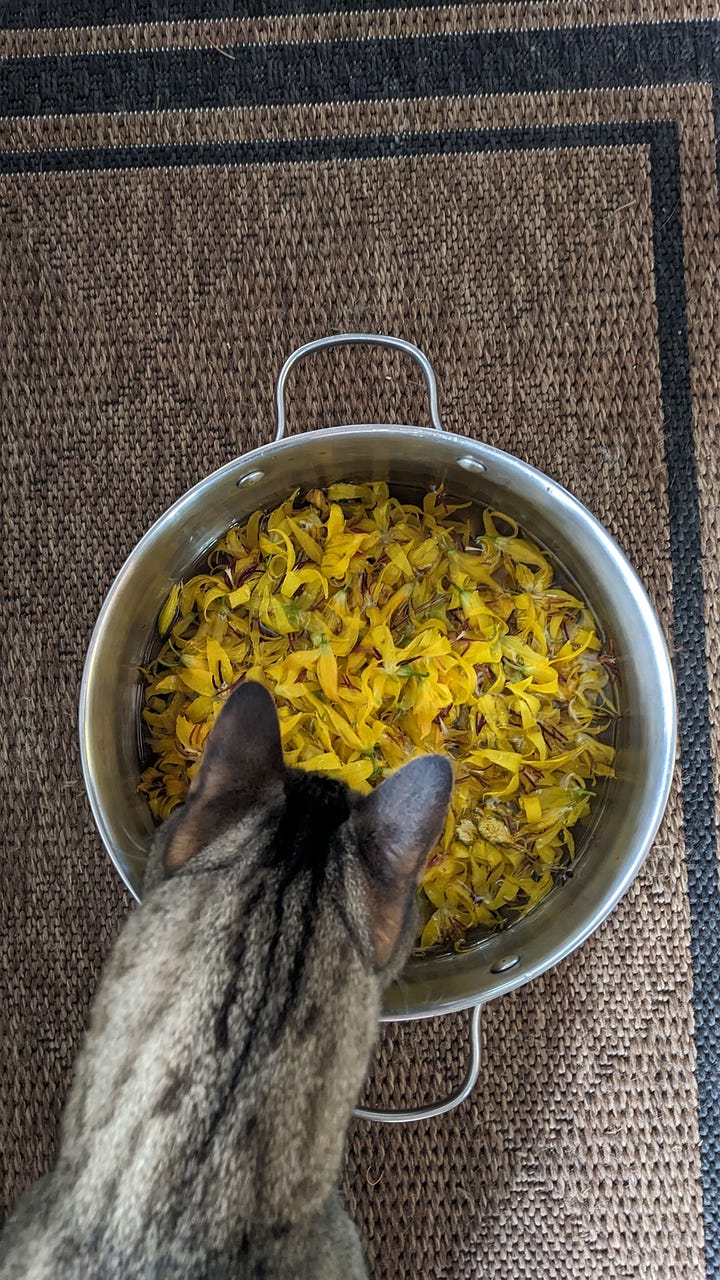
<point x="535" y="61"/>
<point x="685" y="521"/>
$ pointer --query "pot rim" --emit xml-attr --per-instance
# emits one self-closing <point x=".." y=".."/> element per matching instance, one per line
<point x="479" y="456"/>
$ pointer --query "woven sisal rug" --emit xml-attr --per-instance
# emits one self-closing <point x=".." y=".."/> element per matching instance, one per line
<point x="529" y="192"/>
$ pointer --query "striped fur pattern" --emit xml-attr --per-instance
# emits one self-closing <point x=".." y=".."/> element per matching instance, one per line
<point x="230" y="1034"/>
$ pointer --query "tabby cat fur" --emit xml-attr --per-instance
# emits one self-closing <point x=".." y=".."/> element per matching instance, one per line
<point x="232" y="1028"/>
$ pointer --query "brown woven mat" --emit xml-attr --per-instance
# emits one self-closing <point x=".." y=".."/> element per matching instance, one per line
<point x="541" y="217"/>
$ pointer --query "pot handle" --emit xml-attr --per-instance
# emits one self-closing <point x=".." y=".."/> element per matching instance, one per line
<point x="437" y="1108"/>
<point x="347" y="339"/>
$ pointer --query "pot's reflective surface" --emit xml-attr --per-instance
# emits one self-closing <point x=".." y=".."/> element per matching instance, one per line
<point x="411" y="459"/>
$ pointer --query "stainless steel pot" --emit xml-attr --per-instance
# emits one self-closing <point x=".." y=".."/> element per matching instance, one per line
<point x="411" y="459"/>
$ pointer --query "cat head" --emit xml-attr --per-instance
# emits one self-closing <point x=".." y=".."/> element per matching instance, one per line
<point x="247" y="807"/>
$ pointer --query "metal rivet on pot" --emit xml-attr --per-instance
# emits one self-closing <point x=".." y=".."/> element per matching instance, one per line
<point x="471" y="464"/>
<point x="252" y="477"/>
<point x="501" y="966"/>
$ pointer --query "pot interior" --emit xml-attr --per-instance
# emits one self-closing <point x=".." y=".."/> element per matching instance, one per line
<point x="610" y="847"/>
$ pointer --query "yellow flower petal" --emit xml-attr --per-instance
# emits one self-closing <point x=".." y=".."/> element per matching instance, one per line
<point x="169" y="610"/>
<point x="327" y="673"/>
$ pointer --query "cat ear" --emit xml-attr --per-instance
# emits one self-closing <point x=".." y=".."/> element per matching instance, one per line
<point x="400" y="822"/>
<point x="242" y="755"/>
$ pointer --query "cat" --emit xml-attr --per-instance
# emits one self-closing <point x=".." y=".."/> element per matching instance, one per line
<point x="232" y="1028"/>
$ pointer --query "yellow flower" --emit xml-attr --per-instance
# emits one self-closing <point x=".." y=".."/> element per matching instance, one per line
<point x="385" y="630"/>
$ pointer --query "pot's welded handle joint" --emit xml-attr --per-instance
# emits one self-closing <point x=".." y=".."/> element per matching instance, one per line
<point x="437" y="1108"/>
<point x="353" y="339"/>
